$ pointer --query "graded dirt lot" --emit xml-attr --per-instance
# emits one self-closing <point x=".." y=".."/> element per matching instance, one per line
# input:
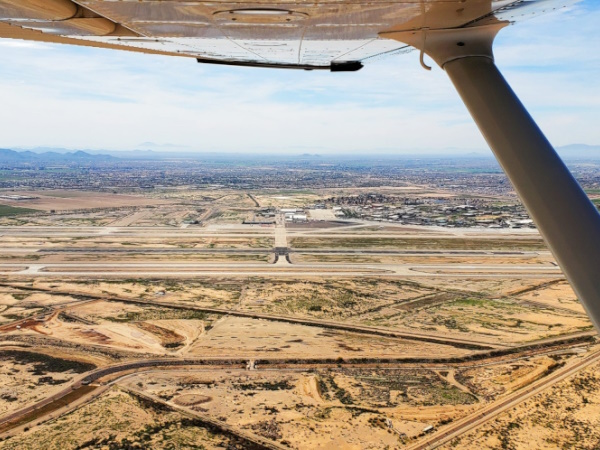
<point x="119" y="326"/>
<point x="63" y="200"/>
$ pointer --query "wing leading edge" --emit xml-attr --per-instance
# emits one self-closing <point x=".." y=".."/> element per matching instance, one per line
<point x="264" y="33"/>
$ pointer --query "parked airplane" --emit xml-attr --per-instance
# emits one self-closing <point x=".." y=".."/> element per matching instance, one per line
<point x="343" y="35"/>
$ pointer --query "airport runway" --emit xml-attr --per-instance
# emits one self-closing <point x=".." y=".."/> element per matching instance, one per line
<point x="283" y="268"/>
<point x="270" y="231"/>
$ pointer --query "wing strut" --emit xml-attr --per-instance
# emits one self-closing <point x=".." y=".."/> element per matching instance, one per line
<point x="564" y="215"/>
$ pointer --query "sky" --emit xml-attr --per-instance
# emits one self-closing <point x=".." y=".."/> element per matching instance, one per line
<point x="84" y="98"/>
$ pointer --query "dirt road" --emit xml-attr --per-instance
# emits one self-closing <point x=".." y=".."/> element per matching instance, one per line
<point x="447" y="433"/>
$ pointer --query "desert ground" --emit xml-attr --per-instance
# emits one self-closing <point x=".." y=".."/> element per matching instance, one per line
<point x="178" y="319"/>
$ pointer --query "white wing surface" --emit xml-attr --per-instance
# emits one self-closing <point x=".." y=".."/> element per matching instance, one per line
<point x="337" y="34"/>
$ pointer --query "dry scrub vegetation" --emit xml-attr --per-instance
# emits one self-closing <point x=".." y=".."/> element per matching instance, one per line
<point x="565" y="416"/>
<point x="119" y="420"/>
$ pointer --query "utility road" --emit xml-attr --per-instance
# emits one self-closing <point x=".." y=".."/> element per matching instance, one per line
<point x="483" y="415"/>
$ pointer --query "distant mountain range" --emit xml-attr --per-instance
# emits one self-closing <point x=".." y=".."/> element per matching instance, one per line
<point x="62" y="155"/>
<point x="579" y="151"/>
<point x="11" y="156"/>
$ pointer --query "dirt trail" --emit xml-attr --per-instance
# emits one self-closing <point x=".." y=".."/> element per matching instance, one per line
<point x="130" y="219"/>
<point x="310" y="388"/>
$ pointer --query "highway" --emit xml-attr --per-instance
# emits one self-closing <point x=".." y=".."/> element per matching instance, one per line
<point x="81" y="391"/>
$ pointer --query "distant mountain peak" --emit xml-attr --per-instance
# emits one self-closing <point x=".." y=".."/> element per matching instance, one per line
<point x="8" y="156"/>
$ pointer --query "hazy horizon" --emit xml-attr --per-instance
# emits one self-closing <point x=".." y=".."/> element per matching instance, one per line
<point x="62" y="96"/>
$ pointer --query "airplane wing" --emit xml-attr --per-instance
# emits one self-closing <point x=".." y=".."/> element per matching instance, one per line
<point x="330" y="34"/>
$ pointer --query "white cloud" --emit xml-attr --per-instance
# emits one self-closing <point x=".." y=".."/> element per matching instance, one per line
<point x="90" y="98"/>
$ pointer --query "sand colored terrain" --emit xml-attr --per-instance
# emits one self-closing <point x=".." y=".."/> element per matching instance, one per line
<point x="280" y="406"/>
<point x="286" y="199"/>
<point x="134" y="257"/>
<point x="395" y="304"/>
<point x="108" y="334"/>
<point x="114" y="419"/>
<point x="495" y="380"/>
<point x="118" y="326"/>
<point x="555" y="295"/>
<point x="186" y="332"/>
<point x="325" y="299"/>
<point x="14" y="305"/>
<point x="404" y="259"/>
<point x="214" y="292"/>
<point x="419" y="243"/>
<point x="566" y="416"/>
<point x="300" y="404"/>
<point x="45" y="299"/>
<point x="255" y="338"/>
<point x="505" y="320"/>
<point x="69" y="218"/>
<point x="133" y="242"/>
<point x="27" y="377"/>
<point x="68" y="200"/>
<point x="9" y="313"/>
<point x="494" y="288"/>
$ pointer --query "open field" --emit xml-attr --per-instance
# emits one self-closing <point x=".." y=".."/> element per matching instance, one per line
<point x="62" y="200"/>
<point x="410" y="305"/>
<point x="418" y="259"/>
<point x="419" y="243"/>
<point x="7" y="210"/>
<point x="259" y="338"/>
<point x="116" y="419"/>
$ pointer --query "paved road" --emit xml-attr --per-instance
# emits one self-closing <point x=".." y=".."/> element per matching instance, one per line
<point x="51" y="310"/>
